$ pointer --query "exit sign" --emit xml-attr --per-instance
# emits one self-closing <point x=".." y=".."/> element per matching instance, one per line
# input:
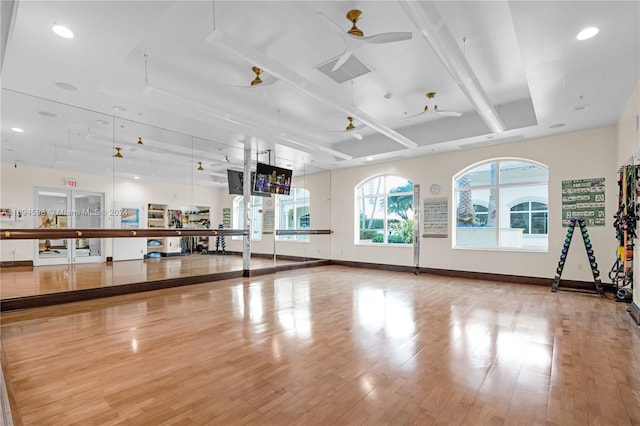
<point x="71" y="183"/>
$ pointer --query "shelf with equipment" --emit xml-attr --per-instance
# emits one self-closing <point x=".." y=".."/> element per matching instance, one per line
<point x="156" y="218"/>
<point x="196" y="217"/>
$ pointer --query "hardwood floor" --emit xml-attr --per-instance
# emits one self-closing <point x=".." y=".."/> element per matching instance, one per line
<point x="330" y="345"/>
<point x="30" y="281"/>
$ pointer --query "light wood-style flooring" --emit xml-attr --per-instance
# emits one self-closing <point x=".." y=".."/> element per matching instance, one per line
<point x="330" y="345"/>
<point x="31" y="281"/>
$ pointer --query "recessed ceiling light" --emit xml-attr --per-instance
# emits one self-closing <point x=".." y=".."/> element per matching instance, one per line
<point x="103" y="122"/>
<point x="587" y="33"/>
<point x="119" y="108"/>
<point x="556" y="126"/>
<point x="369" y="158"/>
<point x="47" y="114"/>
<point x="62" y="31"/>
<point x="17" y="129"/>
<point x="66" y="86"/>
<point x="581" y="107"/>
<point x="136" y="177"/>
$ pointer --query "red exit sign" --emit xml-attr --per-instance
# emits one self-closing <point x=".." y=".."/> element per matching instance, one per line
<point x="71" y="182"/>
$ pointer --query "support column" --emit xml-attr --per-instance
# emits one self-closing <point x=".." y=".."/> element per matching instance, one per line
<point x="246" y="191"/>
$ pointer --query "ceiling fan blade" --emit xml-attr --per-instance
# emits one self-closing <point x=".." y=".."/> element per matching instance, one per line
<point x="343" y="58"/>
<point x="265" y="82"/>
<point x="386" y="37"/>
<point x="449" y="113"/>
<point x="414" y="115"/>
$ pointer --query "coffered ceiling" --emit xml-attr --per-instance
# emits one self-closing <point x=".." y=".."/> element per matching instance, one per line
<point x="178" y="73"/>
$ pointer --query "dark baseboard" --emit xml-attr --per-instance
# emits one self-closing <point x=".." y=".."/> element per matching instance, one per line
<point x="634" y="311"/>
<point x="94" y="293"/>
<point x="12" y="264"/>
<point x="485" y="276"/>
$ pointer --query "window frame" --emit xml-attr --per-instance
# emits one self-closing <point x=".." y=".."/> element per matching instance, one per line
<point x="256" y="208"/>
<point x="295" y="204"/>
<point x="498" y="187"/>
<point x="385" y="220"/>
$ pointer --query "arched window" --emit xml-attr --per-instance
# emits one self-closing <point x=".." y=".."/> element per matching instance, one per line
<point x="256" y="216"/>
<point x="385" y="210"/>
<point x="294" y="213"/>
<point x="502" y="203"/>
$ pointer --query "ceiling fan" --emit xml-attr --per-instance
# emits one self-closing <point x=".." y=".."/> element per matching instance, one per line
<point x="350" y="129"/>
<point x="259" y="81"/>
<point x="354" y="38"/>
<point x="434" y="109"/>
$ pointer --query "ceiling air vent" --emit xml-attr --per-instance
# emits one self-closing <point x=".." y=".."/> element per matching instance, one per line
<point x="349" y="70"/>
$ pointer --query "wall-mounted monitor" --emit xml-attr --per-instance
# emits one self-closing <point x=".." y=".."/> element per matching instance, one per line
<point x="236" y="182"/>
<point x="272" y="180"/>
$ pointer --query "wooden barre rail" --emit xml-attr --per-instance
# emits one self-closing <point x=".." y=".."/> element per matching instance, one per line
<point x="51" y="234"/>
<point x="303" y="231"/>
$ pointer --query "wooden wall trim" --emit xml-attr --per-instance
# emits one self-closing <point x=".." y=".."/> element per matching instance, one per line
<point x="519" y="279"/>
<point x="634" y="311"/>
<point x="15" y="263"/>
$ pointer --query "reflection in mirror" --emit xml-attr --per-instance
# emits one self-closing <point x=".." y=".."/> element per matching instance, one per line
<point x="88" y="170"/>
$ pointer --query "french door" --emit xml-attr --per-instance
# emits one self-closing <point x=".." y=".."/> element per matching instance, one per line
<point x="61" y="208"/>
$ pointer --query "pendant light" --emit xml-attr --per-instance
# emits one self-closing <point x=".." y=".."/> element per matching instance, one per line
<point x="118" y="154"/>
<point x="140" y="141"/>
<point x="200" y="166"/>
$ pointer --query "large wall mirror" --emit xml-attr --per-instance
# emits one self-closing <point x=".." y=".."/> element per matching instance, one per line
<point x="74" y="168"/>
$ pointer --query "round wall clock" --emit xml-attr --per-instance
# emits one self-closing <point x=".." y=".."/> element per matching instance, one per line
<point x="435" y="188"/>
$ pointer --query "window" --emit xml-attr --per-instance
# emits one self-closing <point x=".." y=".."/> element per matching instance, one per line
<point x="530" y="216"/>
<point x="293" y="213"/>
<point x="502" y="203"/>
<point x="256" y="217"/>
<point x="385" y="210"/>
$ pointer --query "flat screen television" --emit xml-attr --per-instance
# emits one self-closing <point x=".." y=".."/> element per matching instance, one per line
<point x="236" y="182"/>
<point x="272" y="180"/>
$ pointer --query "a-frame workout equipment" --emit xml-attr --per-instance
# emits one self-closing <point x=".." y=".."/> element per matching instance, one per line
<point x="592" y="257"/>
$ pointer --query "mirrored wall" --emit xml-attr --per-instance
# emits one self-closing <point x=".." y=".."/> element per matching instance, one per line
<point x="72" y="168"/>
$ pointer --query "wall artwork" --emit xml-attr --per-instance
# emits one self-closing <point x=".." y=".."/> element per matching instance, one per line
<point x="583" y="198"/>
<point x="226" y="217"/>
<point x="129" y="217"/>
<point x="6" y="214"/>
<point x="436" y="218"/>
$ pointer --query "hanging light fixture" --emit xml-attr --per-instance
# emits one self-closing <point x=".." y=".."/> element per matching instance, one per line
<point x="118" y="154"/>
<point x="200" y="166"/>
<point x="140" y="141"/>
<point x="226" y="158"/>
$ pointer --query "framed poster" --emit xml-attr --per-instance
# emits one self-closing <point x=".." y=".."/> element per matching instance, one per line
<point x="129" y="217"/>
<point x="436" y="218"/>
<point x="6" y="214"/>
<point x="226" y="217"/>
<point x="583" y="198"/>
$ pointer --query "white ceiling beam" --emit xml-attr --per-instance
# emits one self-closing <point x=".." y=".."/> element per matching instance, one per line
<point x="427" y="18"/>
<point x="280" y="71"/>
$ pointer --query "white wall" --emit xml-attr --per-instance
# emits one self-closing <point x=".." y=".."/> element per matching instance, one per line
<point x="628" y="135"/>
<point x="17" y="191"/>
<point x="586" y="154"/>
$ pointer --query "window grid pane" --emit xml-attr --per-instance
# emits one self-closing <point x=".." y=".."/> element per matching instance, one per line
<point x="481" y="203"/>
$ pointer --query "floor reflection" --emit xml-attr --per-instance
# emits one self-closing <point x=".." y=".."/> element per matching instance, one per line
<point x="327" y="345"/>
<point x="30" y="281"/>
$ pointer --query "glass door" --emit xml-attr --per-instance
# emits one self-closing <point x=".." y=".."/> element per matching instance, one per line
<point x="87" y="212"/>
<point x="52" y="207"/>
<point x="69" y="209"/>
